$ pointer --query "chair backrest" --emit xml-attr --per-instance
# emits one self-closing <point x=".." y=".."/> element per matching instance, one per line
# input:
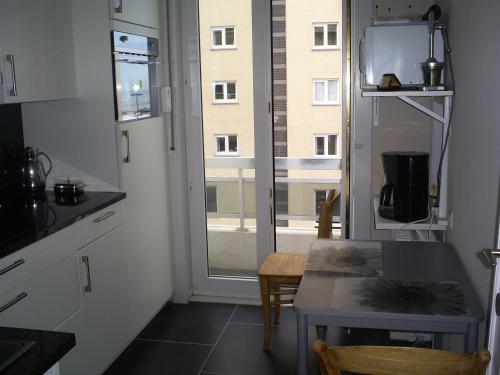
<point x="325" y="215"/>
<point x="387" y="360"/>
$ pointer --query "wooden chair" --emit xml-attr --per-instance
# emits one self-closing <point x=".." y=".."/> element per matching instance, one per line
<point x="279" y="275"/>
<point x="386" y="360"/>
<point x="325" y="215"/>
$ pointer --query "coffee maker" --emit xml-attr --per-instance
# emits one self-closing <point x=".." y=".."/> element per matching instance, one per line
<point x="404" y="196"/>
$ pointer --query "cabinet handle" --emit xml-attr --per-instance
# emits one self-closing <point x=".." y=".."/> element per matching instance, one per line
<point x="118" y="6"/>
<point x="14" y="301"/>
<point x="104" y="217"/>
<point x="125" y="134"/>
<point x="87" y="288"/>
<point x="17" y="263"/>
<point x="10" y="60"/>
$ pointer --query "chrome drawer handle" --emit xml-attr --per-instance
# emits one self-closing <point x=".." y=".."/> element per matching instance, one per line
<point x="17" y="263"/>
<point x="87" y="288"/>
<point x="104" y="217"/>
<point x="14" y="301"/>
<point x="10" y="59"/>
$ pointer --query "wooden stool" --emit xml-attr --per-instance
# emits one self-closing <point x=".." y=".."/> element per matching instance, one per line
<point x="277" y="270"/>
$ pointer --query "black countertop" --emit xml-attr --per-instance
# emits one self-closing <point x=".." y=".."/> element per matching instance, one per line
<point x="49" y="348"/>
<point x="26" y="222"/>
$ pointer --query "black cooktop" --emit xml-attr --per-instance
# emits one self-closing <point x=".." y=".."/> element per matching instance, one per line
<point x="26" y="220"/>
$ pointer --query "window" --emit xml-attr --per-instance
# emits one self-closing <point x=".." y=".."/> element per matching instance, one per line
<point x="223" y="37"/>
<point x="226" y="145"/>
<point x="325" y="91"/>
<point x="211" y="198"/>
<point x="319" y="199"/>
<point x="325" y="145"/>
<point x="224" y="92"/>
<point x="325" y="36"/>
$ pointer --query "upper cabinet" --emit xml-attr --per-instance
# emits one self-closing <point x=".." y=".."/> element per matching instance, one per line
<point x="36" y="49"/>
<point x="144" y="12"/>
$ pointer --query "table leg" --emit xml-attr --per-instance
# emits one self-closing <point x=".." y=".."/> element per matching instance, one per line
<point x="302" y="341"/>
<point x="471" y="338"/>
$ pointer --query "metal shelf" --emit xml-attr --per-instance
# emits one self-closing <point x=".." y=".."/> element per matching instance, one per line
<point x="384" y="223"/>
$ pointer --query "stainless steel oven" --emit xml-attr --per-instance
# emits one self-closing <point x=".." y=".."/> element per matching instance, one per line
<point x="135" y="60"/>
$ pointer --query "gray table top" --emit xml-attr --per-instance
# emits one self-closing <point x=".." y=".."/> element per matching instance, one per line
<point x="431" y="269"/>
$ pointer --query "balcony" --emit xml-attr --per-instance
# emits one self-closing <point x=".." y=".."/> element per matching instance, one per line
<point x="300" y="184"/>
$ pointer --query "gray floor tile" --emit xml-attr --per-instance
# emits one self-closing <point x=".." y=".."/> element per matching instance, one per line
<point x="200" y="323"/>
<point x="253" y="315"/>
<point x="152" y="358"/>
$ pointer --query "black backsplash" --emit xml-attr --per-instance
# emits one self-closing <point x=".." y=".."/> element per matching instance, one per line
<point x="11" y="127"/>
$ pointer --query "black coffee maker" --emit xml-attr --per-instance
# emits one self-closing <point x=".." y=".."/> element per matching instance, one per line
<point x="404" y="196"/>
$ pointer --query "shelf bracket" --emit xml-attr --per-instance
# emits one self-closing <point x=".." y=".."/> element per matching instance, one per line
<point x="423" y="109"/>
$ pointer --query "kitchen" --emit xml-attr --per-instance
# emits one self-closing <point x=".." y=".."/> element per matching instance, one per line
<point x="70" y="115"/>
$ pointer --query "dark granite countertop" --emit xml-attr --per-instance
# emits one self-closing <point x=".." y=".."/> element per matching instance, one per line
<point x="49" y="348"/>
<point x="22" y="224"/>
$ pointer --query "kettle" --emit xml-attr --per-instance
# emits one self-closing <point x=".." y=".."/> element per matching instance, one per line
<point x="32" y="172"/>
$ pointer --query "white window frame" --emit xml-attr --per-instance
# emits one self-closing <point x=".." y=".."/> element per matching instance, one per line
<point x="226" y="142"/>
<point x="225" y="100"/>
<point x="325" y="45"/>
<point x="222" y="29"/>
<point x="314" y="199"/>
<point x="325" y="92"/>
<point x="216" y="199"/>
<point x="326" y="143"/>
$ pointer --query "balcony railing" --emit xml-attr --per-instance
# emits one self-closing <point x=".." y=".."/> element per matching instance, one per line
<point x="281" y="163"/>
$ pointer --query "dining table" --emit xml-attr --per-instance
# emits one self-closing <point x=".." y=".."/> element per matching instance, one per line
<point x="391" y="285"/>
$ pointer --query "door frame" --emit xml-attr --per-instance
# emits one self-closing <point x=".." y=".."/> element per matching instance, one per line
<point x="261" y="26"/>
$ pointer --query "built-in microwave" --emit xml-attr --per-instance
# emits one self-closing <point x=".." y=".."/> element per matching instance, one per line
<point x="135" y="61"/>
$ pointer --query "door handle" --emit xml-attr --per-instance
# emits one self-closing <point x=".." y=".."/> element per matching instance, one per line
<point x="118" y="6"/>
<point x="125" y="134"/>
<point x="490" y="255"/>
<point x="87" y="288"/>
<point x="10" y="60"/>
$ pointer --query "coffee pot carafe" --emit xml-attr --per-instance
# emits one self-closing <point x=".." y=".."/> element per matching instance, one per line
<point x="32" y="172"/>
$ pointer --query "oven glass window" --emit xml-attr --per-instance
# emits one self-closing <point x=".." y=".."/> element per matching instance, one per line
<point x="133" y="94"/>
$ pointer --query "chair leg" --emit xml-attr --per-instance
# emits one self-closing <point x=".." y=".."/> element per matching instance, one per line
<point x="266" y="310"/>
<point x="277" y="306"/>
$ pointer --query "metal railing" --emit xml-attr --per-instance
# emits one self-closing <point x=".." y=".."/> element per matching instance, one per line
<point x="280" y="163"/>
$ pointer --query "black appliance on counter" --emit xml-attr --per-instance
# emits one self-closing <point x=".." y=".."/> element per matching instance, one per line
<point x="404" y="196"/>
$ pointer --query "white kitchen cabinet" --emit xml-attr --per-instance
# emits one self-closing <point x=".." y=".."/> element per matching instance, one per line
<point x="36" y="49"/>
<point x="144" y="179"/>
<point x="103" y="325"/>
<point x="144" y="12"/>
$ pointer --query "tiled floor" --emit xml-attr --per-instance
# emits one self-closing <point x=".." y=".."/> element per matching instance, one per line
<point x="215" y="339"/>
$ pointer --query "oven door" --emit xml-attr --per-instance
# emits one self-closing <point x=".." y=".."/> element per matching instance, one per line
<point x="136" y="87"/>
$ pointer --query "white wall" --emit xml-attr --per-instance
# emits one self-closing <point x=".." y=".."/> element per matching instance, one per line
<point x="474" y="148"/>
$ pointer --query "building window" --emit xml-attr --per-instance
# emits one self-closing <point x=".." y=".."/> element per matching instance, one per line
<point x="211" y="198"/>
<point x="226" y="145"/>
<point x="223" y="37"/>
<point x="224" y="92"/>
<point x="319" y="198"/>
<point x="326" y="91"/>
<point x="325" y="145"/>
<point x="325" y="36"/>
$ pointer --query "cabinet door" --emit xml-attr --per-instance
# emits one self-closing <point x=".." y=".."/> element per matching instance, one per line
<point x="36" y="43"/>
<point x="145" y="182"/>
<point x="144" y="12"/>
<point x="103" y="326"/>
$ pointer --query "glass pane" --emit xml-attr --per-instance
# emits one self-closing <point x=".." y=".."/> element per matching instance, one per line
<point x="221" y="144"/>
<point x="332" y="144"/>
<point x="299" y="173"/>
<point x="230" y="36"/>
<point x="319" y="198"/>
<point x="319" y="36"/>
<point x="211" y="198"/>
<point x="332" y="91"/>
<point x="231" y="231"/>
<point x="319" y="91"/>
<point x="332" y="34"/>
<point x="217" y="37"/>
<point x="231" y="90"/>
<point x="219" y="92"/>
<point x="320" y="145"/>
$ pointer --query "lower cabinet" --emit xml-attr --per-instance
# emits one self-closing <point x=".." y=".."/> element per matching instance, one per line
<point x="103" y="326"/>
